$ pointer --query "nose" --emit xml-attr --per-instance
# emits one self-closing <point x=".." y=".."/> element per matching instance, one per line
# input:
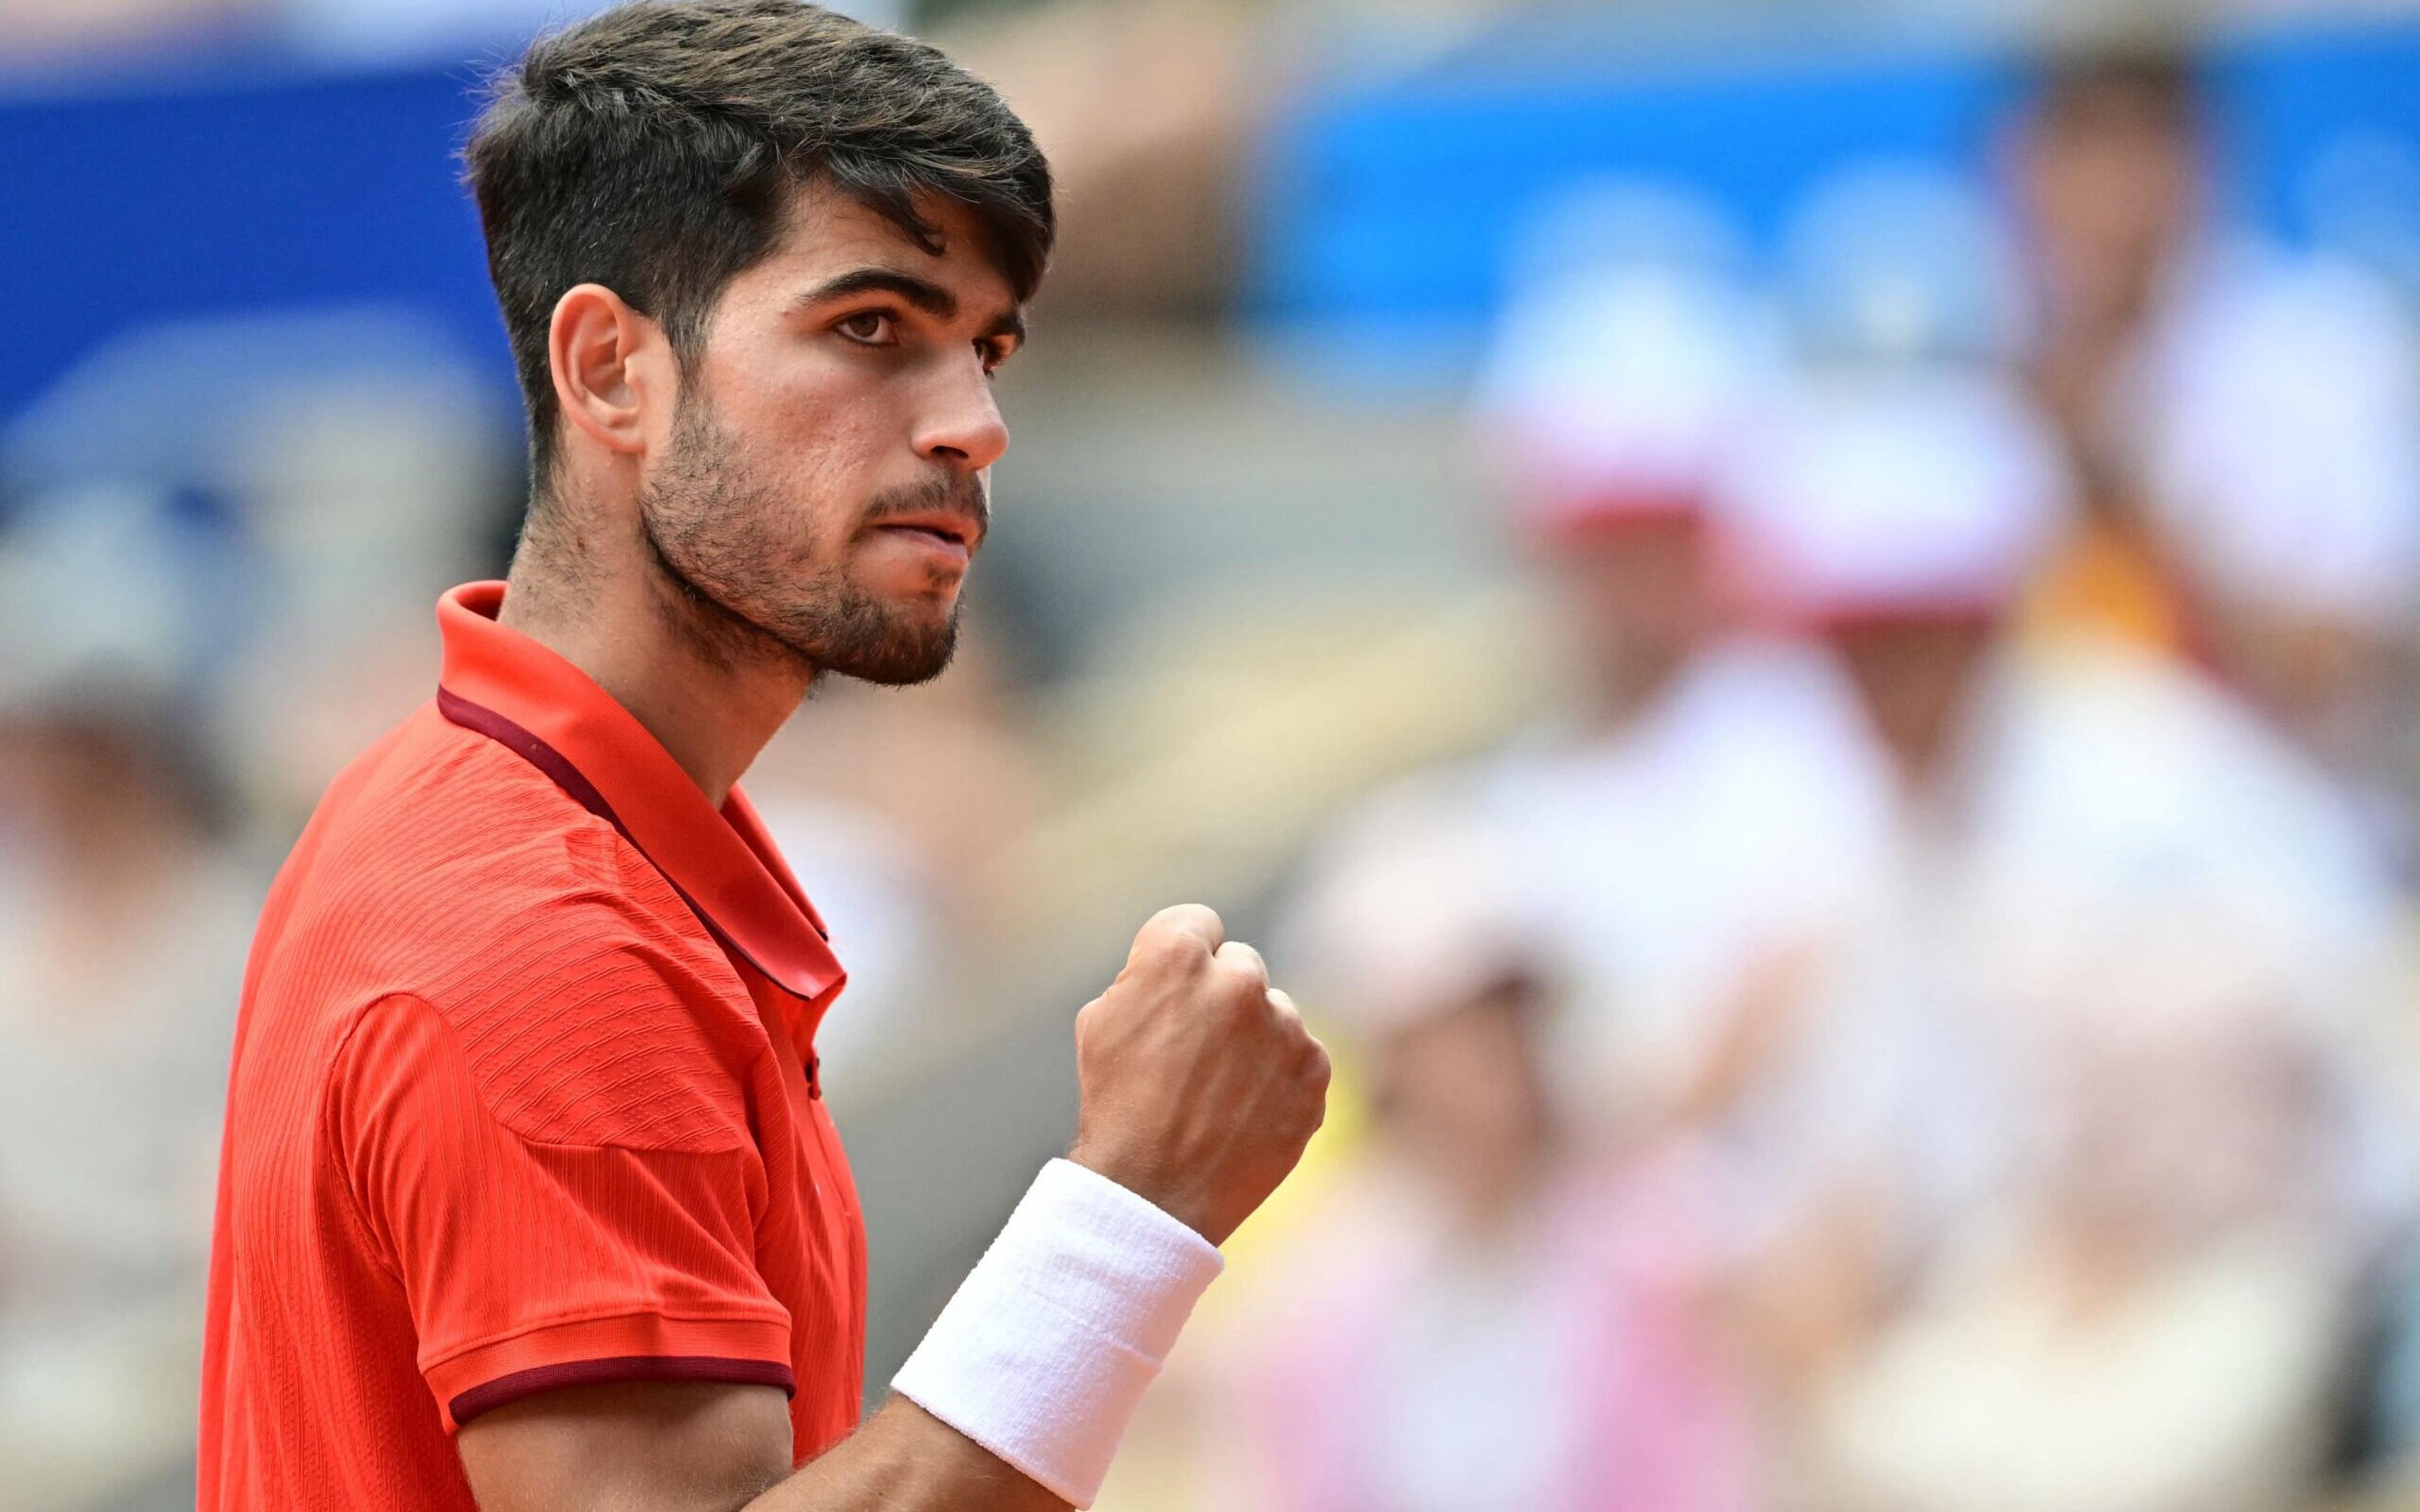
<point x="963" y="428"/>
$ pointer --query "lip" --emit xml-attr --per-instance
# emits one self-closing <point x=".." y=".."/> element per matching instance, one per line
<point x="943" y="537"/>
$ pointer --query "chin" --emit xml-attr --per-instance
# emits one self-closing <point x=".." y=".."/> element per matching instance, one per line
<point x="905" y="646"/>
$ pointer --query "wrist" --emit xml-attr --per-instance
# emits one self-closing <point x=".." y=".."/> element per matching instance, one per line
<point x="1045" y="1351"/>
<point x="1153" y="1182"/>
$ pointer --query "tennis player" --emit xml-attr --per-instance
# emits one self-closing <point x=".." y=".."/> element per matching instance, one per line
<point x="529" y="1198"/>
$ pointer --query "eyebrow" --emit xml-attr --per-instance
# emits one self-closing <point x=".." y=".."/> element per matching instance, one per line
<point x="921" y="293"/>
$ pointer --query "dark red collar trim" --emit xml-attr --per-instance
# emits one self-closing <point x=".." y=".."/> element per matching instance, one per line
<point x="718" y="857"/>
<point x="530" y="748"/>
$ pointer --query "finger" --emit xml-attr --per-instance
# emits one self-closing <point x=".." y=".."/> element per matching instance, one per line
<point x="1239" y="957"/>
<point x="1281" y="1003"/>
<point x="1294" y="1031"/>
<point x="1322" y="1068"/>
<point x="1184" y="922"/>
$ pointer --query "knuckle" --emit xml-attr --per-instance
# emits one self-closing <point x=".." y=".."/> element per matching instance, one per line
<point x="1188" y="921"/>
<point x="1236" y="972"/>
<point x="1312" y="1109"/>
<point x="1171" y="952"/>
<point x="1240" y="996"/>
<point x="1240" y="958"/>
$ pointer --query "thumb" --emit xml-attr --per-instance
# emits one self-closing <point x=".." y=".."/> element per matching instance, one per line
<point x="1185" y="922"/>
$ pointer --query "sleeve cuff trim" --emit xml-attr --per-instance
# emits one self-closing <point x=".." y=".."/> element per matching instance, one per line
<point x="492" y="1395"/>
<point x="464" y="1375"/>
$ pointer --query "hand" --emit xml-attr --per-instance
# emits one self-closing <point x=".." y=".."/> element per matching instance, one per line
<point x="1199" y="1084"/>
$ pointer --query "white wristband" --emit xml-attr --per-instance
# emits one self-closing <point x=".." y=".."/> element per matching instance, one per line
<point x="1045" y="1351"/>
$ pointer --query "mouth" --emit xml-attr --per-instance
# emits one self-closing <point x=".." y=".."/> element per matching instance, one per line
<point x="945" y="534"/>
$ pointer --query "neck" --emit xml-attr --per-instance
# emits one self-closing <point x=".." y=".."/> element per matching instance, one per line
<point x="712" y="689"/>
<point x="1920" y="748"/>
<point x="1635" y="678"/>
<point x="1495" y="1203"/>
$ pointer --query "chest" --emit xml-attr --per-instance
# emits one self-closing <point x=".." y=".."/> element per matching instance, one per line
<point x="810" y="1244"/>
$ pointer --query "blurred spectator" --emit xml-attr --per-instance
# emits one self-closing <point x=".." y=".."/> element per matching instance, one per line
<point x="2111" y="178"/>
<point x="2155" y="1319"/>
<point x="1658" y="828"/>
<point x="2239" y="504"/>
<point x="366" y="469"/>
<point x="1898" y="519"/>
<point x="2294" y="505"/>
<point x="355" y="461"/>
<point x="1483" y="1320"/>
<point x="122" y="923"/>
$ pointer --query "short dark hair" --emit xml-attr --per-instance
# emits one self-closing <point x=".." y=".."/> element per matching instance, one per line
<point x="2141" y="82"/>
<point x="654" y="150"/>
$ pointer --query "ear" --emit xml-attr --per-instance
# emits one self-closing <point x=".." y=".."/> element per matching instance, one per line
<point x="613" y="374"/>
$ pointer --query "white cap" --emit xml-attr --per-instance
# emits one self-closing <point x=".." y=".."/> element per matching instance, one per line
<point x="1911" y="494"/>
<point x="94" y="606"/>
<point x="2285" y="456"/>
<point x="1410" y="911"/>
<point x="1616" y="393"/>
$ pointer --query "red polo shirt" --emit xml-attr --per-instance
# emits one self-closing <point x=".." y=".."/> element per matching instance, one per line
<point x="523" y="1096"/>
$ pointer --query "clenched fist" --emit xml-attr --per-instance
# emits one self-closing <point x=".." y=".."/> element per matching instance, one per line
<point x="1199" y="1083"/>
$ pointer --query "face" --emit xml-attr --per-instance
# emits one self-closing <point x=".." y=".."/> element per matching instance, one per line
<point x="824" y="480"/>
<point x="1460" y="1095"/>
<point x="1635" y="592"/>
<point x="1914" y="676"/>
<point x="2111" y="188"/>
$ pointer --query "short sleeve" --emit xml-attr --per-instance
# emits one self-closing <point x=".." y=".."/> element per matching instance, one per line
<point x="529" y="1264"/>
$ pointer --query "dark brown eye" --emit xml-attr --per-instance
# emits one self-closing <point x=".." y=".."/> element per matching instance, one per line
<point x="870" y="326"/>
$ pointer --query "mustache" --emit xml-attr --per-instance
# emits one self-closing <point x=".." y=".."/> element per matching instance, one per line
<point x="963" y="496"/>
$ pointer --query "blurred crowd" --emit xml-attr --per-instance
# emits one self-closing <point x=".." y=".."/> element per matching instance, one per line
<point x="1925" y="1024"/>
<point x="1918" y="1018"/>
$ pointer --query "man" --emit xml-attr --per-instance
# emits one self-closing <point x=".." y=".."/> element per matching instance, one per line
<point x="528" y="1198"/>
<point x="2107" y="171"/>
<point x="1661" y="841"/>
<point x="1897" y="518"/>
<point x="2232" y="507"/>
<point x="120" y="922"/>
<point x="2159" y="1255"/>
<point x="1485" y="1314"/>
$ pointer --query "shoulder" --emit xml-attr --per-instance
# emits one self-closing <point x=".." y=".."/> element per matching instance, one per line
<point x="591" y="1026"/>
<point x="2127" y="748"/>
<point x="584" y="1003"/>
<point x="2124" y="714"/>
<point x="602" y="1018"/>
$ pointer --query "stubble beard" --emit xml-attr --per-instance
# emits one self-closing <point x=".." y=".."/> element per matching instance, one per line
<point x="741" y="586"/>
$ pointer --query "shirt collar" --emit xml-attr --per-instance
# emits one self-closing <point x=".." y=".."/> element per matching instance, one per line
<point x="505" y="685"/>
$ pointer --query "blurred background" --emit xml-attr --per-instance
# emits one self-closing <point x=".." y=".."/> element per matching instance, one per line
<point x="1794" y="623"/>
